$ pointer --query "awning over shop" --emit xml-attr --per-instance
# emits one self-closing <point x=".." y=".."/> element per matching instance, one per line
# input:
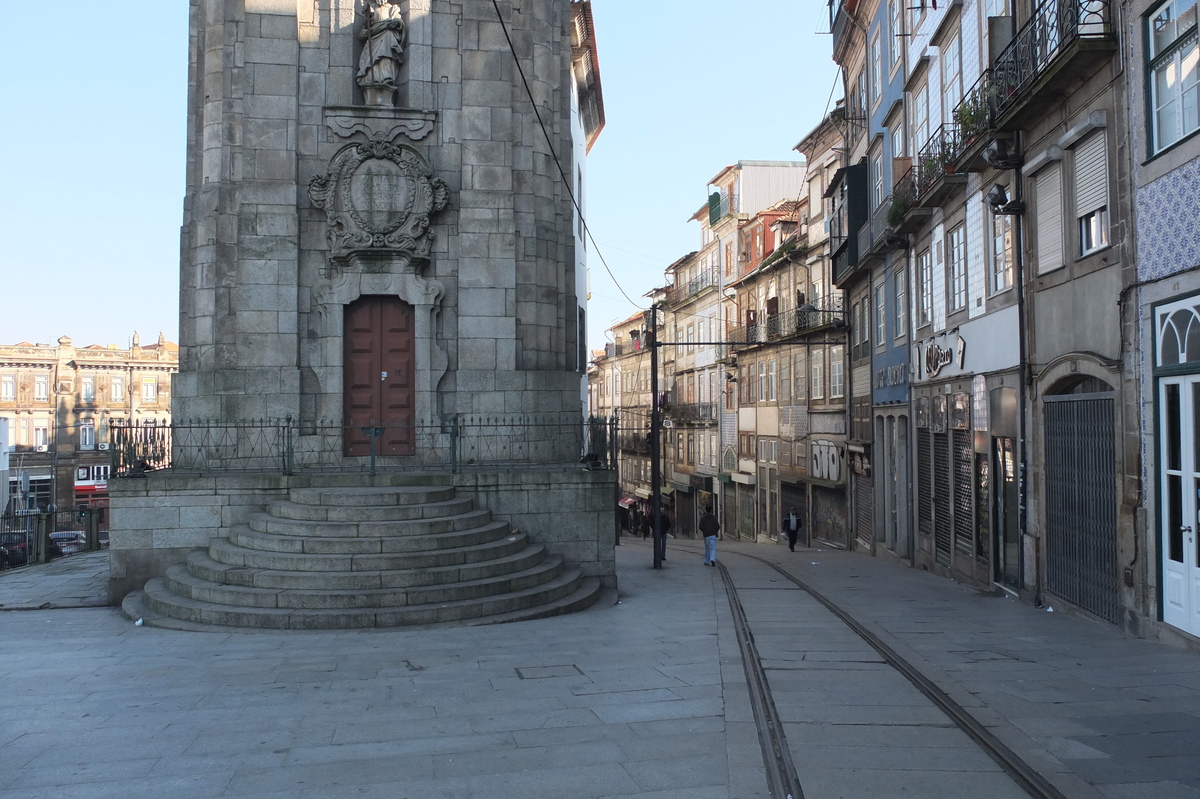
<point x="644" y="493"/>
<point x="627" y="502"/>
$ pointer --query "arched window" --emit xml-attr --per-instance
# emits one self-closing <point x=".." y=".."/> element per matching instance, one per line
<point x="1178" y="329"/>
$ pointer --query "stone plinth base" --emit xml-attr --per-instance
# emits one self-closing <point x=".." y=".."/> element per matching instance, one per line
<point x="157" y="520"/>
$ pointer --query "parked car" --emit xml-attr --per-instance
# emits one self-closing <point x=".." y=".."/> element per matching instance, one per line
<point x="69" y="542"/>
<point x="15" y="548"/>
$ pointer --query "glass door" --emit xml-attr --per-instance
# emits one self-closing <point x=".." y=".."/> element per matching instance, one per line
<point x="1179" y="441"/>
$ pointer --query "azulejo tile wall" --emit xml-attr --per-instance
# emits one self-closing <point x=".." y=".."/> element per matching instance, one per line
<point x="1167" y="210"/>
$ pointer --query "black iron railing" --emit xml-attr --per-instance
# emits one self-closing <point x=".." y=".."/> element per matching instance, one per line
<point x="692" y="412"/>
<point x="1054" y="25"/>
<point x="286" y="446"/>
<point x="936" y="158"/>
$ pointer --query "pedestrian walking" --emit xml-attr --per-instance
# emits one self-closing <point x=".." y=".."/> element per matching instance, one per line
<point x="791" y="526"/>
<point x="710" y="527"/>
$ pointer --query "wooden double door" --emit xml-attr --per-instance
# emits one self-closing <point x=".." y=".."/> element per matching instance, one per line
<point x="378" y="372"/>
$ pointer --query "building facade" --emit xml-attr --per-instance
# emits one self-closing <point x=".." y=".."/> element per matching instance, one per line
<point x="61" y="400"/>
<point x="1164" y="152"/>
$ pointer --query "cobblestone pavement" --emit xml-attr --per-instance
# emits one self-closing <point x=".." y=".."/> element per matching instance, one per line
<point x="644" y="698"/>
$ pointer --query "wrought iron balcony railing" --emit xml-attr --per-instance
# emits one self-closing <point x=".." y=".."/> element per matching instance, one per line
<point x="936" y="158"/>
<point x="695" y="412"/>
<point x="1053" y="27"/>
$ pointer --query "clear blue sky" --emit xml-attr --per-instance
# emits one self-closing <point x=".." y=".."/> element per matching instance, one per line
<point x="93" y="141"/>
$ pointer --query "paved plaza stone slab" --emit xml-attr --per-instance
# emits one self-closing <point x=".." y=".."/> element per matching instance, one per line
<point x="647" y="698"/>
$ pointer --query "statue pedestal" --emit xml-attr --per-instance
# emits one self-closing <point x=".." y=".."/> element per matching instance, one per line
<point x="380" y="96"/>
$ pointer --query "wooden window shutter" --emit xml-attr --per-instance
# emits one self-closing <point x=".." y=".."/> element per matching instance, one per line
<point x="1049" y="219"/>
<point x="1091" y="174"/>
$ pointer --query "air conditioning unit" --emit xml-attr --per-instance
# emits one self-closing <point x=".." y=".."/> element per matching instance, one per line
<point x="103" y="446"/>
<point x="42" y="448"/>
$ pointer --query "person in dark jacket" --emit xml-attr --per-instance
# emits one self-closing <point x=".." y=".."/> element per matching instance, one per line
<point x="791" y="526"/>
<point x="709" y="526"/>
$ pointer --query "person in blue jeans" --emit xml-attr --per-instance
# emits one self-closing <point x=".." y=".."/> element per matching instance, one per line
<point x="710" y="527"/>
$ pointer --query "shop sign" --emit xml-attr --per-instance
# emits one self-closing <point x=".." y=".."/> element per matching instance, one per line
<point x="892" y="376"/>
<point x="935" y="358"/>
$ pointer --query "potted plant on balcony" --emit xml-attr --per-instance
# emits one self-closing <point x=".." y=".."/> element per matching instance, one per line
<point x="897" y="210"/>
<point x="971" y="116"/>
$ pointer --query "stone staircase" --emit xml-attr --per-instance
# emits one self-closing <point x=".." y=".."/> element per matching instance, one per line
<point x="341" y="558"/>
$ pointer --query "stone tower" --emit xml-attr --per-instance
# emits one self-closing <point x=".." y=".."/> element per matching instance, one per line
<point x="381" y="229"/>
<point x="348" y="149"/>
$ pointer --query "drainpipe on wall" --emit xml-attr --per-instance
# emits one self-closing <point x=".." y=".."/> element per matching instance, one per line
<point x="1023" y="404"/>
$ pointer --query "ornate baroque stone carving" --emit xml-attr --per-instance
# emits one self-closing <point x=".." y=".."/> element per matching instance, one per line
<point x="378" y="198"/>
<point x="383" y="124"/>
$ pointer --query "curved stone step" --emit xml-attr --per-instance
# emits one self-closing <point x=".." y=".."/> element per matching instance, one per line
<point x="160" y="599"/>
<point x="358" y="497"/>
<point x="252" y="541"/>
<point x="266" y="523"/>
<point x="287" y="509"/>
<point x="589" y="593"/>
<point x="180" y="581"/>
<point x="507" y="555"/>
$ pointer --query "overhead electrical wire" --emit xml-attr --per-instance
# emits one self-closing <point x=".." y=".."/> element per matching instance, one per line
<point x="550" y="143"/>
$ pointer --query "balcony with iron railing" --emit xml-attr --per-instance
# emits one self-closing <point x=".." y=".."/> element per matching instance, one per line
<point x="701" y="413"/>
<point x="1062" y="41"/>
<point x="709" y="278"/>
<point x="878" y="235"/>
<point x="1059" y="43"/>
<point x="904" y="215"/>
<point x="936" y="175"/>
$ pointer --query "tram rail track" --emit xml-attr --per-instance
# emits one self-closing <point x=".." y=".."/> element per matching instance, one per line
<point x="782" y="777"/>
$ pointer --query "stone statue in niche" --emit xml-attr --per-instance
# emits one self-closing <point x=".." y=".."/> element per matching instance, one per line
<point x="382" y="53"/>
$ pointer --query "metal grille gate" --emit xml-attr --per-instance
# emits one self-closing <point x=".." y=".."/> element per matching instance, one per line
<point x="941" y="498"/>
<point x="983" y="535"/>
<point x="924" y="484"/>
<point x="1081" y="502"/>
<point x="964" y="498"/>
<point x="864" y="510"/>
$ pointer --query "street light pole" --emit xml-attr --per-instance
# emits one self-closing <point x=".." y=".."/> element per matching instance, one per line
<point x="656" y="510"/>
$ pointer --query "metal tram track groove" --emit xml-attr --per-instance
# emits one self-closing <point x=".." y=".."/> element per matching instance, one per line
<point x="782" y="780"/>
<point x="771" y="731"/>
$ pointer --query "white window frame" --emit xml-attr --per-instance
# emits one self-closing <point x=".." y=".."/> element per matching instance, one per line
<point x="876" y="69"/>
<point x="920" y="117"/>
<point x="41" y="388"/>
<point x="1165" y="61"/>
<point x="150" y="389"/>
<point x="8" y="388"/>
<point x="87" y="434"/>
<point x="951" y="64"/>
<point x="877" y="194"/>
<point x="1001" y="253"/>
<point x="899" y="288"/>
<point x="837" y="371"/>
<point x="956" y="269"/>
<point x="816" y="383"/>
<point x="924" y="288"/>
<point x="881" y="313"/>
<point x="896" y="28"/>
<point x="87" y="388"/>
